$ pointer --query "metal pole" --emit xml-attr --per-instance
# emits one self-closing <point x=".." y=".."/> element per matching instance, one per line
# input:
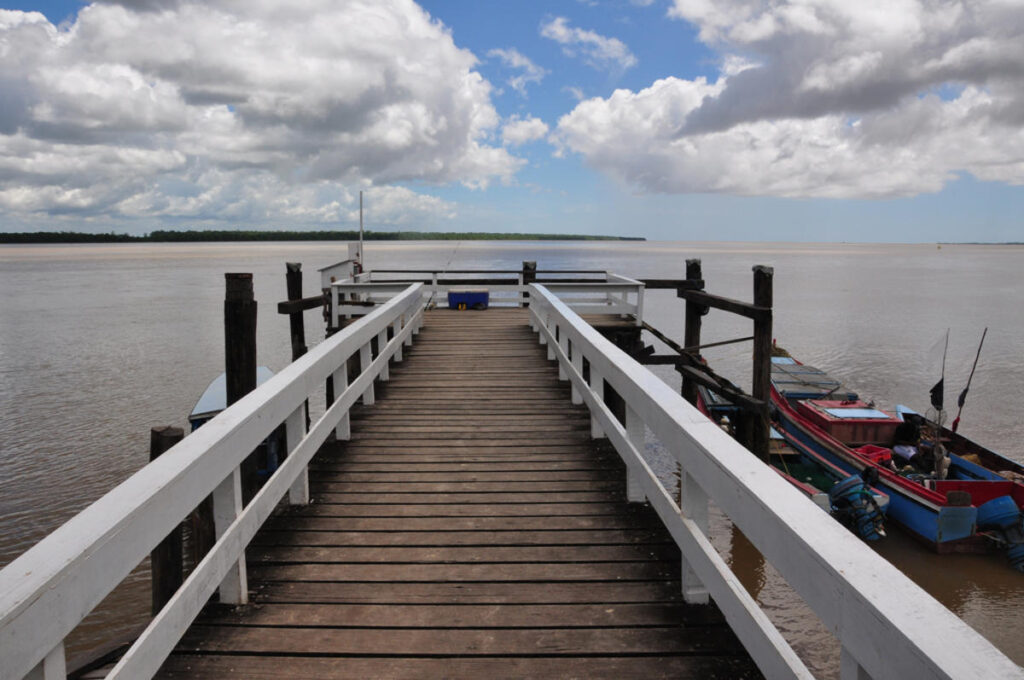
<point x="360" y="229"/>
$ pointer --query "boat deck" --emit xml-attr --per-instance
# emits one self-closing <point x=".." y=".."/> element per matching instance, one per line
<point x="470" y="528"/>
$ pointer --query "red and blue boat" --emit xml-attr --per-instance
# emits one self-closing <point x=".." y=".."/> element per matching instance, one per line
<point x="850" y="499"/>
<point x="973" y="505"/>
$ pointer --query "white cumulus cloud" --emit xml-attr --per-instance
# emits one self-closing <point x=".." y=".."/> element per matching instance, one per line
<point x="599" y="51"/>
<point x="221" y="109"/>
<point x="529" y="72"/>
<point x="823" y="98"/>
<point x="522" y="130"/>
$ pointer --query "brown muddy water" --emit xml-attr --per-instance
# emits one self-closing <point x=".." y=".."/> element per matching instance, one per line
<point x="98" y="343"/>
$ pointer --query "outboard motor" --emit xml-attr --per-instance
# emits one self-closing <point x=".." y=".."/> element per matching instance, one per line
<point x="855" y="507"/>
<point x="1003" y="517"/>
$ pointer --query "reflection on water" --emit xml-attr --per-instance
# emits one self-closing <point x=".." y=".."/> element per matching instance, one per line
<point x="98" y="343"/>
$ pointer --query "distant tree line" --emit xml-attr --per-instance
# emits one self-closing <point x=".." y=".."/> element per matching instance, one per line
<point x="163" y="236"/>
<point x="66" y="237"/>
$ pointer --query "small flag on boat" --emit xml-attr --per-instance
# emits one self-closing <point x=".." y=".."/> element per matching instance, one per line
<point x="936" y="394"/>
<point x="937" y="391"/>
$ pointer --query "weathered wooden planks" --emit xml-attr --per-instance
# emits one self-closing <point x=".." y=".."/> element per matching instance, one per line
<point x="469" y="528"/>
<point x="457" y="668"/>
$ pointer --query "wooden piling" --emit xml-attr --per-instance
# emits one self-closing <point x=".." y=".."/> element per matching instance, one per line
<point x="166" y="559"/>
<point x="694" y="312"/>
<point x="329" y="383"/>
<point x="293" y="282"/>
<point x="239" y="336"/>
<point x="296" y="323"/>
<point x="203" y="533"/>
<point x="240" y="357"/>
<point x="761" y="383"/>
<point x="529" y="276"/>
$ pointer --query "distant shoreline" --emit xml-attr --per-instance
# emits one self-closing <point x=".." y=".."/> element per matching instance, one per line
<point x="226" y="235"/>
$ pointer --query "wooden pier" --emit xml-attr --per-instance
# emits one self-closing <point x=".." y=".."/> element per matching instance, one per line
<point x="469" y="528"/>
<point x="473" y="501"/>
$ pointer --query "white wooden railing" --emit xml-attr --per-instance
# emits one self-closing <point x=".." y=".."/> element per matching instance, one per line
<point x="48" y="590"/>
<point x="616" y="294"/>
<point x="624" y="297"/>
<point x="887" y="626"/>
<point x="352" y="297"/>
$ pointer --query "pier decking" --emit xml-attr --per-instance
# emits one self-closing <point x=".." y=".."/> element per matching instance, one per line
<point x="471" y="521"/>
<point x="470" y="528"/>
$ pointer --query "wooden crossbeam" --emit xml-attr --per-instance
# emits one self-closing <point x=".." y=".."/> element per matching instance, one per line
<point x="300" y="305"/>
<point x="746" y="309"/>
<point x="736" y="397"/>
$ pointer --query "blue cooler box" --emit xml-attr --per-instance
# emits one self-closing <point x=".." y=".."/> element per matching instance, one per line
<point x="468" y="298"/>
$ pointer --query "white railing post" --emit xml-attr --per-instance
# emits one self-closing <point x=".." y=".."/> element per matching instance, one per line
<point x="365" y="359"/>
<point x="334" y="307"/>
<point x="597" y="387"/>
<point x="694" y="506"/>
<point x="343" y="430"/>
<point x="549" y="321"/>
<point x="382" y="345"/>
<point x="227" y="504"/>
<point x="635" y="434"/>
<point x="52" y="667"/>
<point x="433" y="285"/>
<point x="399" y="324"/>
<point x="295" y="430"/>
<point x="563" y="342"/>
<point x="406" y="321"/>
<point x="577" y="363"/>
<point x="849" y="669"/>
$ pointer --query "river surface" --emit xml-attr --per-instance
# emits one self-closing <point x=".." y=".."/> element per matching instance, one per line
<point x="98" y="343"/>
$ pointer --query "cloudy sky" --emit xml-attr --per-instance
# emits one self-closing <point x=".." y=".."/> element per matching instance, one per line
<point x="812" y="120"/>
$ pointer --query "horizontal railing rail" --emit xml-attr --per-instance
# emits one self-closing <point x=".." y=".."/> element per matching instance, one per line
<point x="351" y="298"/>
<point x="47" y="591"/>
<point x="596" y="272"/>
<point x="625" y="298"/>
<point x="887" y="626"/>
<point x="610" y="294"/>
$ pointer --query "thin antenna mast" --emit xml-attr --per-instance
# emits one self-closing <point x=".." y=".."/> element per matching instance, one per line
<point x="360" y="228"/>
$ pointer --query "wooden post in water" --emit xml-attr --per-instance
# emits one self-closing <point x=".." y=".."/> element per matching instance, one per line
<point x="293" y="283"/>
<point x="240" y="357"/>
<point x="694" y="312"/>
<point x="329" y="384"/>
<point x="166" y="559"/>
<point x="761" y="383"/>
<point x="529" y="276"/>
<point x="204" y="534"/>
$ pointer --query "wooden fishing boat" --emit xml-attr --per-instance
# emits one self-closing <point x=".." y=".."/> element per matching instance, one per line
<point x="974" y="460"/>
<point x="851" y="499"/>
<point x="969" y="508"/>
<point x="214" y="400"/>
